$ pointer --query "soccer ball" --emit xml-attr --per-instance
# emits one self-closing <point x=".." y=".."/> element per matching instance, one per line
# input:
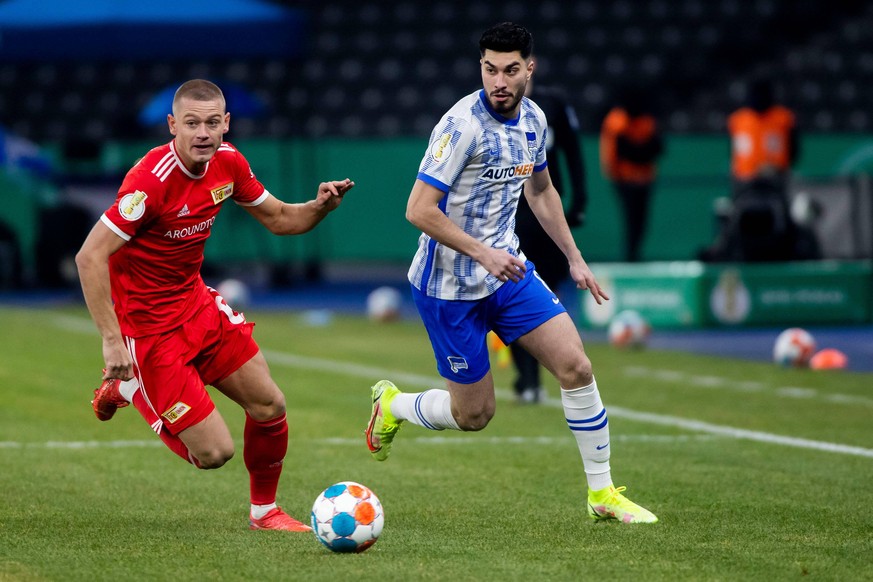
<point x="794" y="347"/>
<point x="235" y="293"/>
<point x="347" y="517"/>
<point x="383" y="304"/>
<point x="628" y="329"/>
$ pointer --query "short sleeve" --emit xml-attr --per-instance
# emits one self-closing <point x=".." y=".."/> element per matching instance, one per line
<point x="247" y="190"/>
<point x="136" y="204"/>
<point x="540" y="159"/>
<point x="452" y="144"/>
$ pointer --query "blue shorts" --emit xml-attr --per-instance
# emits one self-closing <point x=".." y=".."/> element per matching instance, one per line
<point x="458" y="330"/>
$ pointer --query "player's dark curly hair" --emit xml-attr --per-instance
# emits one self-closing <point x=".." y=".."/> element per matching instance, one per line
<point x="507" y="37"/>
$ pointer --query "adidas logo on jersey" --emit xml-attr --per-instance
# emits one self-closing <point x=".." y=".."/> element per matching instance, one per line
<point x="184" y="211"/>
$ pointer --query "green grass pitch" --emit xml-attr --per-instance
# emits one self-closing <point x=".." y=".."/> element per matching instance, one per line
<point x="756" y="472"/>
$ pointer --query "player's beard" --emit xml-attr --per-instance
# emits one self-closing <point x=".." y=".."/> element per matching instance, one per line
<point x="508" y="106"/>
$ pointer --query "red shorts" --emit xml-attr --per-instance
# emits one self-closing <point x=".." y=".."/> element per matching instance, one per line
<point x="174" y="367"/>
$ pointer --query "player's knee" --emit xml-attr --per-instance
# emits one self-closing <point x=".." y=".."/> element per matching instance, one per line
<point x="475" y="421"/>
<point x="576" y="373"/>
<point x="268" y="408"/>
<point x="214" y="457"/>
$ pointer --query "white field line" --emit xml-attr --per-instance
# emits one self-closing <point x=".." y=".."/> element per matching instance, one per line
<point x="74" y="324"/>
<point x="371" y="374"/>
<point x="82" y="444"/>
<point x="359" y="442"/>
<point x="721" y="383"/>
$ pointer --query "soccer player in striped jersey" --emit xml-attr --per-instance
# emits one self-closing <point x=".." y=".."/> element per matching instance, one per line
<point x="469" y="275"/>
<point x="165" y="333"/>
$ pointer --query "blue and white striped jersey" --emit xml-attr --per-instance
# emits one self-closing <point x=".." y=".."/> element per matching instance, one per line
<point x="481" y="160"/>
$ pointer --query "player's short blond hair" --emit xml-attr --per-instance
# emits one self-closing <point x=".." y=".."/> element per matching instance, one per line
<point x="198" y="90"/>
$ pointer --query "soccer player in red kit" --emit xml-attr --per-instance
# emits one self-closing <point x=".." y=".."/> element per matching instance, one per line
<point x="165" y="333"/>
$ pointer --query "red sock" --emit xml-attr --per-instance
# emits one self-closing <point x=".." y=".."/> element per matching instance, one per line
<point x="173" y="442"/>
<point x="264" y="447"/>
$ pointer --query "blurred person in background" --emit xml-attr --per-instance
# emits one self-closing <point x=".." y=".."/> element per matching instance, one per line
<point x="165" y="333"/>
<point x="563" y="149"/>
<point x="630" y="145"/>
<point x="470" y="276"/>
<point x="755" y="223"/>
<point x="764" y="142"/>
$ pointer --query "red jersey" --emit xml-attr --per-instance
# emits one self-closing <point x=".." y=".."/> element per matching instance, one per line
<point x="166" y="213"/>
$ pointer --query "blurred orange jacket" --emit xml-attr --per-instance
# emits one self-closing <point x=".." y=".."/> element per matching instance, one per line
<point x="637" y="130"/>
<point x="760" y="141"/>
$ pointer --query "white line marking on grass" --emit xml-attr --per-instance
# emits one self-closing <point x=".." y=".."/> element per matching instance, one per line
<point x="82" y="325"/>
<point x="359" y="442"/>
<point x="422" y="381"/>
<point x="526" y="440"/>
<point x="739" y="433"/>
<point x="75" y="324"/>
<point x="677" y="377"/>
<point x="82" y="444"/>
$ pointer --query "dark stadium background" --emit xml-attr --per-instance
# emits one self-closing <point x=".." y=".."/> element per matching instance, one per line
<point x="336" y="89"/>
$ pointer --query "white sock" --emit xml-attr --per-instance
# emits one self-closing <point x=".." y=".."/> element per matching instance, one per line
<point x="587" y="418"/>
<point x="431" y="409"/>
<point x="259" y="511"/>
<point x="127" y="388"/>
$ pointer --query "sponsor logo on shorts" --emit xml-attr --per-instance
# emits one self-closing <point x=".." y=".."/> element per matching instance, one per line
<point x="176" y="412"/>
<point x="132" y="206"/>
<point x="222" y="193"/>
<point x="458" y="363"/>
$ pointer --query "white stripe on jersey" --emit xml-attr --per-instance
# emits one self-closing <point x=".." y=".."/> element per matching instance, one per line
<point x="105" y="220"/>
<point x="481" y="161"/>
<point x="258" y="201"/>
<point x="166" y="173"/>
<point x="164" y="166"/>
<point x="178" y="164"/>
<point x="170" y="161"/>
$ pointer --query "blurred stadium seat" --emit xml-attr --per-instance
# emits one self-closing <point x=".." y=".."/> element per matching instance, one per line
<point x="370" y="68"/>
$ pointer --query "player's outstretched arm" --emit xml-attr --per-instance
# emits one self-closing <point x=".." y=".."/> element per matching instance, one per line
<point x="92" y="262"/>
<point x="284" y="218"/>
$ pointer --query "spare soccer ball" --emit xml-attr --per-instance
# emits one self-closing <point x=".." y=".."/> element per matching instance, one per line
<point x="347" y="517"/>
<point x="794" y="347"/>
<point x="235" y="293"/>
<point x="628" y="329"/>
<point x="383" y="304"/>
